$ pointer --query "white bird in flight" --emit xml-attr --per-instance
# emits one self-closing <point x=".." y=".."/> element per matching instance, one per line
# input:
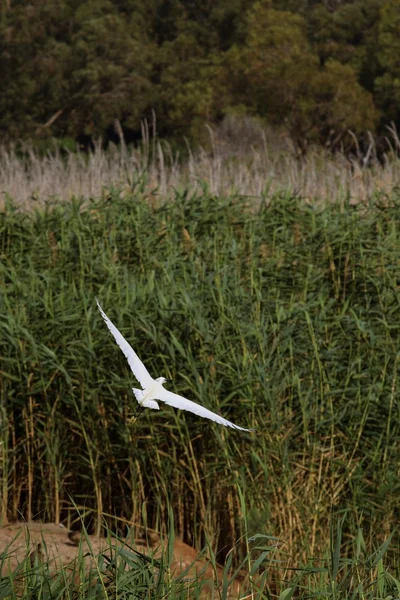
<point x="153" y="388"/>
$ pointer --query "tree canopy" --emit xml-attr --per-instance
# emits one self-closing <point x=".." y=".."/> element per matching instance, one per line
<point x="318" y="68"/>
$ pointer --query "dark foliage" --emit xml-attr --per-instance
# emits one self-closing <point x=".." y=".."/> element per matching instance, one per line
<point x="78" y="70"/>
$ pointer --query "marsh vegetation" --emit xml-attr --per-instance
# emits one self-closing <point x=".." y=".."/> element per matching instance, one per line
<point x="277" y="311"/>
<point x="283" y="317"/>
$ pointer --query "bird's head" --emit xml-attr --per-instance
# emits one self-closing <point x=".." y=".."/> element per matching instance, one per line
<point x="161" y="380"/>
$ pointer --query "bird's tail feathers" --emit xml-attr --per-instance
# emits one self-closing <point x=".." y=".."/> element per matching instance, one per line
<point x="147" y="403"/>
<point x="151" y="404"/>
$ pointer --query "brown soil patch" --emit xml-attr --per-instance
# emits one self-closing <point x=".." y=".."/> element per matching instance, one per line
<point x="56" y="545"/>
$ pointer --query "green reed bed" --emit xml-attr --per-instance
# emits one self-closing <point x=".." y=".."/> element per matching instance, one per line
<point x="121" y="571"/>
<point x="284" y="318"/>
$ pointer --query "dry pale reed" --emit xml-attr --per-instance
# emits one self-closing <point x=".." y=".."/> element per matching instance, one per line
<point x="249" y="161"/>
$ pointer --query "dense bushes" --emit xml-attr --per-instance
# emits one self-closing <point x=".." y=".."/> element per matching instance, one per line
<point x="70" y="68"/>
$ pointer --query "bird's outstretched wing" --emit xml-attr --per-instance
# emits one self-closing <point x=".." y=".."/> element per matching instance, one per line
<point x="138" y="368"/>
<point x="184" y="404"/>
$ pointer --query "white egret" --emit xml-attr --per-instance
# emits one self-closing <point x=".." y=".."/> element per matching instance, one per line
<point x="153" y="388"/>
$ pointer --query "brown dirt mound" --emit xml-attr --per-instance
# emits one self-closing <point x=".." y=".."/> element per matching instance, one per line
<point x="55" y="544"/>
